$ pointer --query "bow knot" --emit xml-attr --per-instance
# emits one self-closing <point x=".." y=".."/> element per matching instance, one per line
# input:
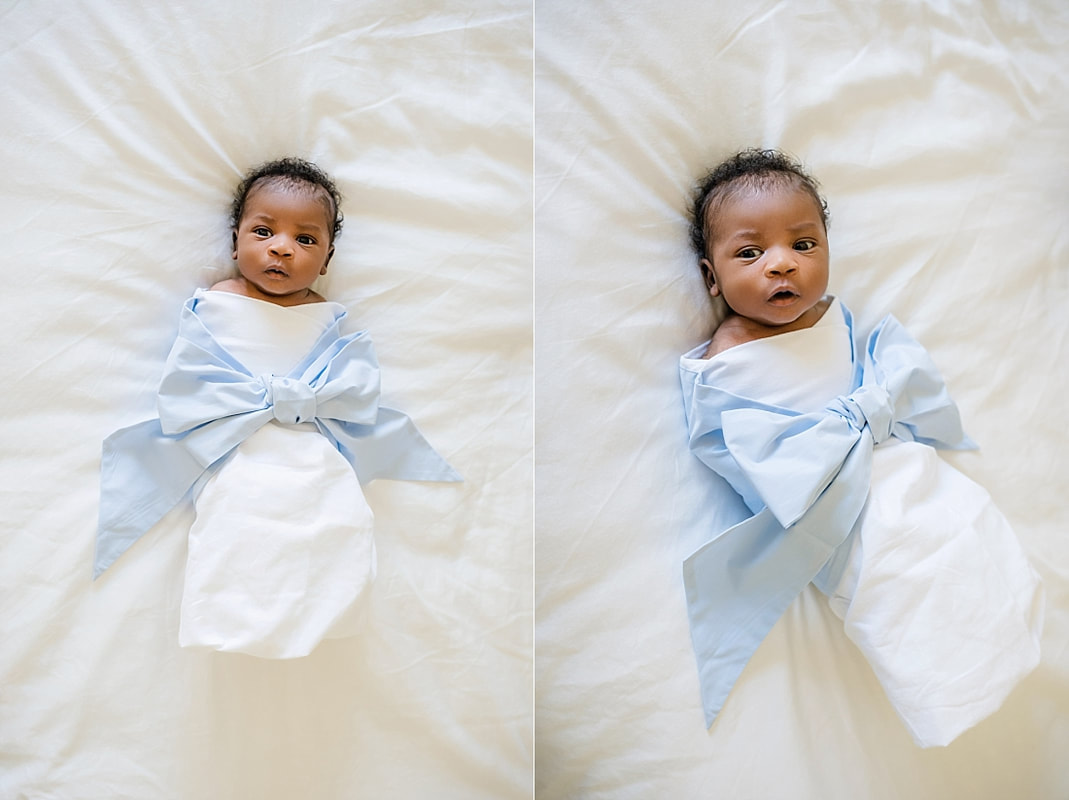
<point x="784" y="460"/>
<point x="292" y="401"/>
<point x="868" y="406"/>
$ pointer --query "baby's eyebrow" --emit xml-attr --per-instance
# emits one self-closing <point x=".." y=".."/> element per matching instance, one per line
<point x="746" y="234"/>
<point x="751" y="233"/>
<point x="307" y="226"/>
<point x="801" y="226"/>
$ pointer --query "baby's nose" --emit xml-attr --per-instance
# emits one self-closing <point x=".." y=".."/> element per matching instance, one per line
<point x="281" y="246"/>
<point x="781" y="264"/>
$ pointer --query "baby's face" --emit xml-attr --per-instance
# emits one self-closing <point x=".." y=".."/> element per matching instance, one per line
<point x="282" y="243"/>
<point x="769" y="254"/>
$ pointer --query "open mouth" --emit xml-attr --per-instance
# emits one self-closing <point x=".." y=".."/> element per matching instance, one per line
<point x="783" y="296"/>
<point x="275" y="271"/>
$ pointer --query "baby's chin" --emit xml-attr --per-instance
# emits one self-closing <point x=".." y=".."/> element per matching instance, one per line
<point x="782" y="315"/>
<point x="279" y="295"/>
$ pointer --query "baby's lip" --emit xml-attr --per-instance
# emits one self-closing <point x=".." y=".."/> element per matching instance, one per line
<point x="276" y="269"/>
<point x="783" y="292"/>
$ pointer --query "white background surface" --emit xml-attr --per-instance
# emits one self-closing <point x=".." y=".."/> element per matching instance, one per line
<point x="126" y="126"/>
<point x="938" y="132"/>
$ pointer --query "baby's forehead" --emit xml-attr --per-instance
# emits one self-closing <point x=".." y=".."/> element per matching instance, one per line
<point x="292" y="187"/>
<point x="751" y="187"/>
<point x="288" y="185"/>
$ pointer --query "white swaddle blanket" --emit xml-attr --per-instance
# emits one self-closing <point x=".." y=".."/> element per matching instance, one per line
<point x="282" y="549"/>
<point x="937" y="594"/>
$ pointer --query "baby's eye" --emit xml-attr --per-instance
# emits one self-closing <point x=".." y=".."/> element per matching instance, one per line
<point x="306" y="239"/>
<point x="260" y="230"/>
<point x="805" y="244"/>
<point x="748" y="253"/>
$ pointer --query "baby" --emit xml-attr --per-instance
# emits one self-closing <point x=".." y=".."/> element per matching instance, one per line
<point x="764" y="252"/>
<point x="829" y="441"/>
<point x="269" y="418"/>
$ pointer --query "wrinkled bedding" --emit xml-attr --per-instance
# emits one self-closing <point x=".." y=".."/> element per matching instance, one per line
<point x="127" y="127"/>
<point x="937" y="131"/>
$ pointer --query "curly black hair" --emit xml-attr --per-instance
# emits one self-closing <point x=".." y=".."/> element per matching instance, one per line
<point x="749" y="168"/>
<point x="287" y="172"/>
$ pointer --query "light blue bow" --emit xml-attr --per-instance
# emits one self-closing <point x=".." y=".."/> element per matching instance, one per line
<point x="209" y="403"/>
<point x="805" y="477"/>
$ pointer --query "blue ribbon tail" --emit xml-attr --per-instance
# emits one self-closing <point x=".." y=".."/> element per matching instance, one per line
<point x="741" y="582"/>
<point x="143" y="475"/>
<point x="392" y="448"/>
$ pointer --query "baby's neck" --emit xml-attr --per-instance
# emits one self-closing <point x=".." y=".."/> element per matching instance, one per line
<point x="241" y="286"/>
<point x="736" y="330"/>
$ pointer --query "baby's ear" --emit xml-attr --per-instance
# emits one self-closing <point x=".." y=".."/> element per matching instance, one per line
<point x="709" y="276"/>
<point x="330" y="255"/>
<point x="234" y="244"/>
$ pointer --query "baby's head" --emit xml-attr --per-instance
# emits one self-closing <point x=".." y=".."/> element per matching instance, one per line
<point x="294" y="174"/>
<point x="285" y="216"/>
<point x="759" y="229"/>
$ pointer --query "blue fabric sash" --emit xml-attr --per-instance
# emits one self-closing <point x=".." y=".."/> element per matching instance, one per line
<point x="209" y="403"/>
<point x="805" y="478"/>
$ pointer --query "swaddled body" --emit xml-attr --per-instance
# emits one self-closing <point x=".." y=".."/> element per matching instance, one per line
<point x="281" y="550"/>
<point x="936" y="591"/>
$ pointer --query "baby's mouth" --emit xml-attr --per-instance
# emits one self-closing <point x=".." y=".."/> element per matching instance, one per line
<point x="275" y="271"/>
<point x="783" y="296"/>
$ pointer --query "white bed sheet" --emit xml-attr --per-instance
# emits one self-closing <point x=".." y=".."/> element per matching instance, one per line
<point x="939" y="133"/>
<point x="126" y="126"/>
